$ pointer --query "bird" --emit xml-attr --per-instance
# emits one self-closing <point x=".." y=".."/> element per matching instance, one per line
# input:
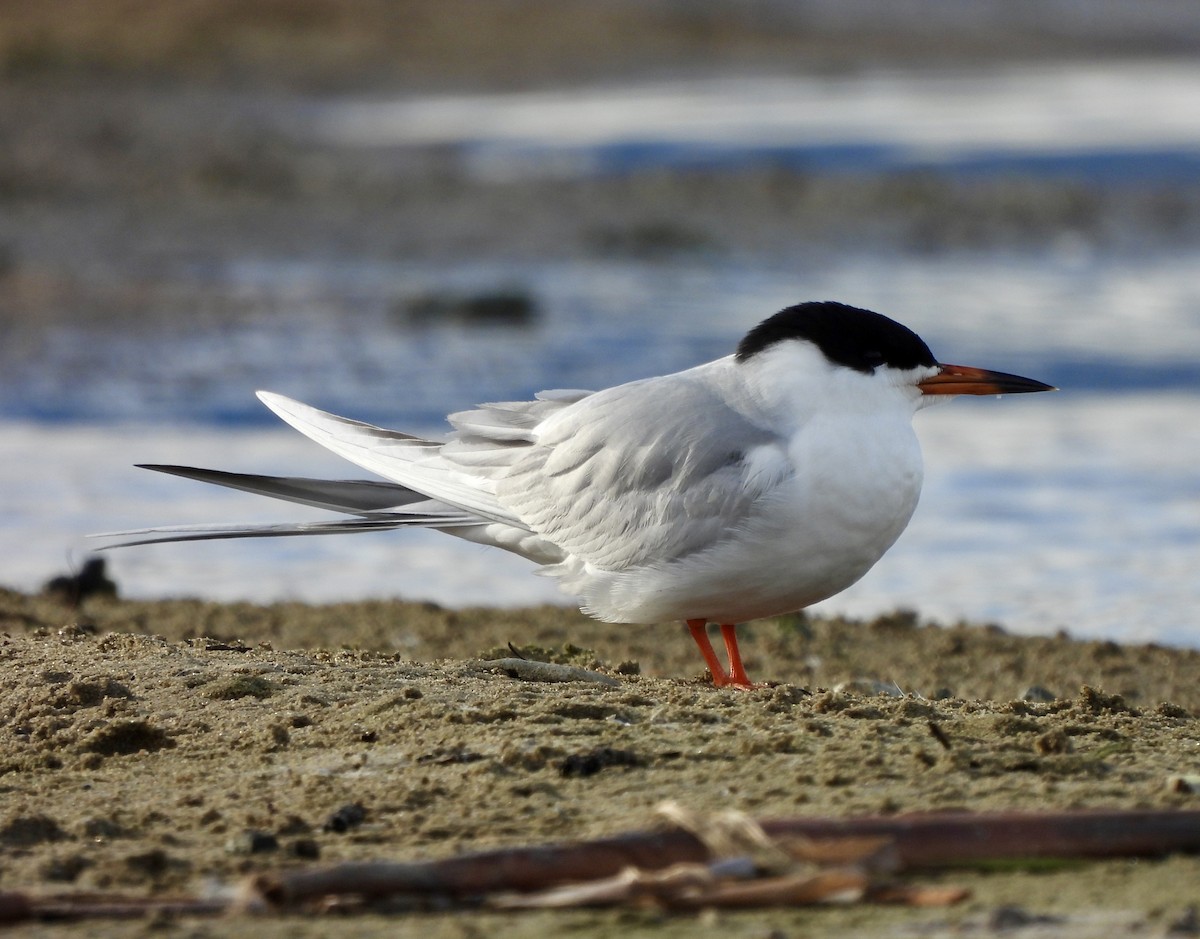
<point x="750" y="486"/>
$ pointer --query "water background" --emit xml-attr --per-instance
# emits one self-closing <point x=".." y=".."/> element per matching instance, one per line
<point x="1077" y="511"/>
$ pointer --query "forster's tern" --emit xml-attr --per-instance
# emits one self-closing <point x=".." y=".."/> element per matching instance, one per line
<point x="751" y="486"/>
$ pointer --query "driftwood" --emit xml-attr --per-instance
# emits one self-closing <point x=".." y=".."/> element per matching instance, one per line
<point x="693" y="887"/>
<point x="952" y="839"/>
<point x="818" y="860"/>
<point x="20" y="907"/>
<point x="918" y="841"/>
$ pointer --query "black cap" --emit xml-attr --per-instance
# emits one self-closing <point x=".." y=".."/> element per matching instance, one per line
<point x="858" y="339"/>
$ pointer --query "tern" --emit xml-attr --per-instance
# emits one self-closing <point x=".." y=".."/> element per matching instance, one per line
<point x="750" y="486"/>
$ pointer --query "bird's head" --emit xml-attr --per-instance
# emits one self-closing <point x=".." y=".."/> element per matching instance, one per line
<point x="871" y="356"/>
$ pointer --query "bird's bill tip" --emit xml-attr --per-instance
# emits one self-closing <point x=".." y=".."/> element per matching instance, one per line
<point x="966" y="380"/>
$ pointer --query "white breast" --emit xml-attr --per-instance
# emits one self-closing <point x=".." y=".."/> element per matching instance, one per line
<point x="813" y="536"/>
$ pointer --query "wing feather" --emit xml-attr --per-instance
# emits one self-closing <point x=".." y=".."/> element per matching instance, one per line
<point x="630" y="476"/>
<point x="643" y="473"/>
<point x="402" y="458"/>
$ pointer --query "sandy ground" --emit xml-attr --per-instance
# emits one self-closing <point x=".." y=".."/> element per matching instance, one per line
<point x="145" y="743"/>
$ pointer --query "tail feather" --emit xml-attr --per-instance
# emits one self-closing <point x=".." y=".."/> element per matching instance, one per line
<point x="424" y="489"/>
<point x="338" y="527"/>
<point x="338" y="495"/>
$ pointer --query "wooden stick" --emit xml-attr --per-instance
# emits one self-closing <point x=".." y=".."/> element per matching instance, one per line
<point x="66" y="907"/>
<point x="917" y="841"/>
<point x="920" y="841"/>
<point x="955" y="838"/>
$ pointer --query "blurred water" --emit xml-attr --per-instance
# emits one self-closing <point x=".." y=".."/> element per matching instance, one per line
<point x="1124" y="120"/>
<point x="330" y="333"/>
<point x="1079" y="510"/>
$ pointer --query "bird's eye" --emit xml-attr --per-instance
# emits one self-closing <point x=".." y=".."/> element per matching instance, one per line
<point x="873" y="359"/>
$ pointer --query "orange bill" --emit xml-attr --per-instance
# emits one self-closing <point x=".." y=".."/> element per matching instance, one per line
<point x="965" y="380"/>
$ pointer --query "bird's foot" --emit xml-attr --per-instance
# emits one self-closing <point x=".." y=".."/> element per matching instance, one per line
<point x="736" y="677"/>
<point x="725" y="680"/>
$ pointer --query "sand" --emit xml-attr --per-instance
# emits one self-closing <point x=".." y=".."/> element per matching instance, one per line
<point x="162" y="747"/>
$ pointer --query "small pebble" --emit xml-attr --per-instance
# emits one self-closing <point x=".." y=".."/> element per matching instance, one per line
<point x="305" y="848"/>
<point x="345" y="818"/>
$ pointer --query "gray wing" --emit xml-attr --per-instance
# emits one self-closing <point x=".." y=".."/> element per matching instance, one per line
<point x="641" y="473"/>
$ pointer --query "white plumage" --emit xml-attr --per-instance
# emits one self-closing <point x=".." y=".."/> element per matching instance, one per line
<point x="753" y="485"/>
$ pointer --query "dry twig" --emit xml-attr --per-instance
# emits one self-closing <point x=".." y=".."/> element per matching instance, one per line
<point x="674" y="869"/>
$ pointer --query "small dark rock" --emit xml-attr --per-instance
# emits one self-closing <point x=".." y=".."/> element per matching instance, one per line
<point x="91" y="581"/>
<point x="1038" y="694"/>
<point x="591" y="762"/>
<point x="345" y="818"/>
<point x="305" y="848"/>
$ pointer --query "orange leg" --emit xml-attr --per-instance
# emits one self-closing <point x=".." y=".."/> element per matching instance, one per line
<point x="700" y="636"/>
<point x="736" y="677"/>
<point x="737" y="672"/>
